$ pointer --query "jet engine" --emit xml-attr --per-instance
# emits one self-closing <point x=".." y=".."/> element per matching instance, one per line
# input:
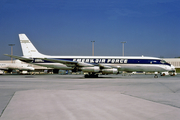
<point x="110" y="71"/>
<point x="90" y="69"/>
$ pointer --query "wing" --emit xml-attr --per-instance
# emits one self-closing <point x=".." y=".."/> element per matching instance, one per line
<point x="69" y="63"/>
<point x="80" y="64"/>
<point x="60" y="61"/>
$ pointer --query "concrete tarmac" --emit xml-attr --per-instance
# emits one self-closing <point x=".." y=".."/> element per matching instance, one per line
<point x="72" y="97"/>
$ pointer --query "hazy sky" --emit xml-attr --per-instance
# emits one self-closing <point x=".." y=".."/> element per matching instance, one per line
<point x="67" y="27"/>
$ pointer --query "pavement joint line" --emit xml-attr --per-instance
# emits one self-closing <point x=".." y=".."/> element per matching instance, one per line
<point x="7" y="105"/>
<point x="168" y="87"/>
<point x="150" y="100"/>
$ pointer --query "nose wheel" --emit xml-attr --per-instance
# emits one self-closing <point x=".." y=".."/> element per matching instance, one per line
<point x="156" y="75"/>
<point x="172" y="74"/>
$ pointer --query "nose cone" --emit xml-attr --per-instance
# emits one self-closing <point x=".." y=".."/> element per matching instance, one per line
<point x="172" y="68"/>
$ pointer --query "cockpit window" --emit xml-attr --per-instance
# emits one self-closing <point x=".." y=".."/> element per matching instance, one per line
<point x="163" y="61"/>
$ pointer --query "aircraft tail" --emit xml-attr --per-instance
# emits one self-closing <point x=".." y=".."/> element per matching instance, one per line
<point x="28" y="48"/>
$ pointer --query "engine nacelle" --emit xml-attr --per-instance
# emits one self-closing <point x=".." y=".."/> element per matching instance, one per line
<point x="110" y="71"/>
<point x="90" y="69"/>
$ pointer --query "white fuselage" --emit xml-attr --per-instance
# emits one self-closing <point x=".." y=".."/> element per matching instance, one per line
<point x="146" y="64"/>
<point x="16" y="66"/>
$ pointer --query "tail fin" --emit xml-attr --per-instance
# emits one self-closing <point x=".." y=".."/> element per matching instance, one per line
<point x="28" y="48"/>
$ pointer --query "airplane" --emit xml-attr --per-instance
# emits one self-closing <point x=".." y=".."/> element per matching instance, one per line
<point x="15" y="66"/>
<point x="93" y="65"/>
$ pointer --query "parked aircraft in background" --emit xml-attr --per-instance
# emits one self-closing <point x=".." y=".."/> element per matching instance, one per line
<point x="93" y="65"/>
<point x="15" y="66"/>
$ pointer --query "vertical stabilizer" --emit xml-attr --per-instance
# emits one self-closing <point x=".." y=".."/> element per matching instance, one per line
<point x="28" y="48"/>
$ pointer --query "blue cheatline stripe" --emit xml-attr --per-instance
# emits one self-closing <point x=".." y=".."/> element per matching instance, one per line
<point x="112" y="61"/>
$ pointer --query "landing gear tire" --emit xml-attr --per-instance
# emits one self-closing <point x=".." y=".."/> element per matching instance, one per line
<point x="155" y="76"/>
<point x="173" y="74"/>
<point x="91" y="76"/>
<point x="86" y="75"/>
<point x="163" y="74"/>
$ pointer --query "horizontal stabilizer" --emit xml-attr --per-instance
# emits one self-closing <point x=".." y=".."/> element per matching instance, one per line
<point x="20" y="58"/>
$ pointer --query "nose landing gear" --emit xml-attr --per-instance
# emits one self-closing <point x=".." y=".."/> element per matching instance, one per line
<point x="156" y="75"/>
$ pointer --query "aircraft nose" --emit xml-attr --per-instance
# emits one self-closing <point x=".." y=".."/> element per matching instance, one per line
<point x="172" y="68"/>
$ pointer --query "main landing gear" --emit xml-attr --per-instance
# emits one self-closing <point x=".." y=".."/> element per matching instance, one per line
<point x="93" y="75"/>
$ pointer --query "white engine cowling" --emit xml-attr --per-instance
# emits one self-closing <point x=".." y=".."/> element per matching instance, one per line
<point x="110" y="71"/>
<point x="90" y="69"/>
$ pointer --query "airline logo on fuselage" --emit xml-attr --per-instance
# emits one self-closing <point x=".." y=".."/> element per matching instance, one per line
<point x="102" y="60"/>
